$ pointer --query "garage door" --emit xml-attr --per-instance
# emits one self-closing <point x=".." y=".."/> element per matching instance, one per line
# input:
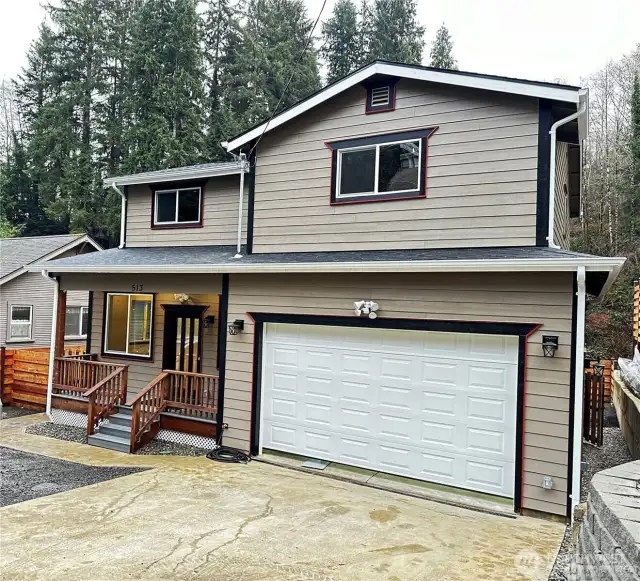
<point x="434" y="406"/>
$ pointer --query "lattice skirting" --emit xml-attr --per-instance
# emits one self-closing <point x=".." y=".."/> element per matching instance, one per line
<point x="67" y="418"/>
<point x="188" y="439"/>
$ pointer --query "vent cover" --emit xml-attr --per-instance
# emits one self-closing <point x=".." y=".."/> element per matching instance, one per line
<point x="380" y="96"/>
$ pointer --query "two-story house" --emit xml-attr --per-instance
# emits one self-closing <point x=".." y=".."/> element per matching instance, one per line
<point x="402" y="297"/>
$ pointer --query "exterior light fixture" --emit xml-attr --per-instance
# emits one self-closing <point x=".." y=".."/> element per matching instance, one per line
<point x="209" y="320"/>
<point x="236" y="327"/>
<point x="367" y="308"/>
<point x="549" y="345"/>
<point x="598" y="370"/>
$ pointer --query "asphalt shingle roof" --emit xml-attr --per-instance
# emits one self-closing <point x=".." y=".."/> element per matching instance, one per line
<point x="18" y="252"/>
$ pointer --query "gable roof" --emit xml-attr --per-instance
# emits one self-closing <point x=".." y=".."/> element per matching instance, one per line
<point x="538" y="89"/>
<point x="17" y="253"/>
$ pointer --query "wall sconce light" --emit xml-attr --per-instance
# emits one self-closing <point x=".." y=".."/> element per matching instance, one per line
<point x="209" y="320"/>
<point x="236" y="327"/>
<point x="549" y="345"/>
<point x="368" y="308"/>
<point x="598" y="370"/>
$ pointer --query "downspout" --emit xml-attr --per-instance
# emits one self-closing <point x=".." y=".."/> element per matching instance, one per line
<point x="243" y="160"/>
<point x="578" y="387"/>
<point x="123" y="213"/>
<point x="54" y="330"/>
<point x="552" y="170"/>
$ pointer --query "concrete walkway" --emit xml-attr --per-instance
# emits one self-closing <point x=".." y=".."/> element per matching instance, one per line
<point x="191" y="518"/>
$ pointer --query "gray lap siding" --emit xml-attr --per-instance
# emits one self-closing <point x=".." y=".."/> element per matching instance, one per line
<point x="544" y="299"/>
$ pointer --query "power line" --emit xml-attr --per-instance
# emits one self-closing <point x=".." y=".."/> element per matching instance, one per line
<point x="293" y="72"/>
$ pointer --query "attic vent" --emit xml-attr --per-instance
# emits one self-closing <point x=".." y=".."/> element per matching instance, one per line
<point x="380" y="96"/>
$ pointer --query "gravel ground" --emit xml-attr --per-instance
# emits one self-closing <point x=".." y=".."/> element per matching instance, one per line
<point x="9" y="412"/>
<point x="613" y="452"/>
<point x="71" y="434"/>
<point x="25" y="476"/>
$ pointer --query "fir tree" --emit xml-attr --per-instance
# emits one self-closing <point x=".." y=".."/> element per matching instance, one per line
<point x="395" y="34"/>
<point x="222" y="41"/>
<point x="165" y="89"/>
<point x="632" y="206"/>
<point x="442" y="50"/>
<point x="274" y="36"/>
<point x="341" y="48"/>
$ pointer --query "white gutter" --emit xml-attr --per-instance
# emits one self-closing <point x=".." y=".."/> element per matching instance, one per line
<point x="596" y="264"/>
<point x="552" y="169"/>
<point x="578" y="387"/>
<point x="52" y="350"/>
<point x="123" y="213"/>
<point x="243" y="160"/>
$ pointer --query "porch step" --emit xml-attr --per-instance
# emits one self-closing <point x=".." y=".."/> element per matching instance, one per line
<point x="120" y="419"/>
<point x="110" y="442"/>
<point x="125" y="410"/>
<point x="118" y="430"/>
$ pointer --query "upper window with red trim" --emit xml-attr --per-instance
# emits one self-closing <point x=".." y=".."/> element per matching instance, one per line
<point x="176" y="207"/>
<point x="384" y="167"/>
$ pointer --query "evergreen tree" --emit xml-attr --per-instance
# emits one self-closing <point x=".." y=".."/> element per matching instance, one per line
<point x="222" y="41"/>
<point x="395" y="34"/>
<point x="632" y="205"/>
<point x="165" y="89"/>
<point x="341" y="48"/>
<point x="275" y="34"/>
<point x="442" y="50"/>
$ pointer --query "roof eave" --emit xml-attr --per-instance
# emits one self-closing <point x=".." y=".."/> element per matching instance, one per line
<point x="139" y="179"/>
<point x="512" y="86"/>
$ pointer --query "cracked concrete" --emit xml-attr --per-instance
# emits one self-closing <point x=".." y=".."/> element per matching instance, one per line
<point x="189" y="518"/>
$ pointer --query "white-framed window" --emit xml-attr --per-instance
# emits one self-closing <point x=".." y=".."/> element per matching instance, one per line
<point x="128" y="324"/>
<point x="177" y="207"/>
<point x="20" y="323"/>
<point x="379" y="169"/>
<point x="76" y="322"/>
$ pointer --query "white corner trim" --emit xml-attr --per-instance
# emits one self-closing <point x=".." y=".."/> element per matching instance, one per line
<point x="512" y="86"/>
<point x="578" y="390"/>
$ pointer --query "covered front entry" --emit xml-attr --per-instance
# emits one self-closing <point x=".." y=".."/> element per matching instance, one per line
<point x="435" y="406"/>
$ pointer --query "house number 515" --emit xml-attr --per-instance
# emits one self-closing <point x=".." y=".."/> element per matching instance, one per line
<point x="137" y="288"/>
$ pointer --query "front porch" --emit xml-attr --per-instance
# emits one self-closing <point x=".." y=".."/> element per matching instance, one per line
<point x="151" y="367"/>
<point x="174" y="401"/>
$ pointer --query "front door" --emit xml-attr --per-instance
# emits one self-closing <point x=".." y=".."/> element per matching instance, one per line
<point x="182" y="347"/>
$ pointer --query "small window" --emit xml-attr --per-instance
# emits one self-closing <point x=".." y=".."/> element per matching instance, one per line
<point x="128" y="324"/>
<point x="177" y="207"/>
<point x="76" y="322"/>
<point x="20" y="323"/>
<point x="379" y="168"/>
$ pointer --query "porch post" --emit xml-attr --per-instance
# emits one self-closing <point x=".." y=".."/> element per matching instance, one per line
<point x="61" y="316"/>
<point x="52" y="348"/>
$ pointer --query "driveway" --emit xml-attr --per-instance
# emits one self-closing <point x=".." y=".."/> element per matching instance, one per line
<point x="191" y="518"/>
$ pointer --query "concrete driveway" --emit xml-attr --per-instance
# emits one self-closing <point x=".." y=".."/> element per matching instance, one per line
<point x="191" y="518"/>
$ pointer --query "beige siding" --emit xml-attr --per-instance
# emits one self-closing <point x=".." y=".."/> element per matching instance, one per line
<point x="219" y="218"/>
<point x="142" y="372"/>
<point x="481" y="177"/>
<point x="561" y="221"/>
<point x="536" y="298"/>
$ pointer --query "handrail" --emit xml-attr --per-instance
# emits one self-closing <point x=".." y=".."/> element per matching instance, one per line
<point x="146" y="408"/>
<point x="71" y="374"/>
<point x="192" y="394"/>
<point x="105" y="395"/>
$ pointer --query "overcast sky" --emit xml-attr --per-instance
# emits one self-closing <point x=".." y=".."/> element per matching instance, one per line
<point x="534" y="39"/>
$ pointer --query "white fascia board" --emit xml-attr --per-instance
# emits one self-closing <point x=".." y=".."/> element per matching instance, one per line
<point x="513" y="87"/>
<point x="12" y="275"/>
<point x="504" y="265"/>
<point x="134" y="179"/>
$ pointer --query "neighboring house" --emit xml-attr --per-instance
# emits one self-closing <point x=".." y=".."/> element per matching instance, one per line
<point x="26" y="298"/>
<point x="442" y="199"/>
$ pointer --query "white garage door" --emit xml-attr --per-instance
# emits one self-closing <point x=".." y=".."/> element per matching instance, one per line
<point x="434" y="406"/>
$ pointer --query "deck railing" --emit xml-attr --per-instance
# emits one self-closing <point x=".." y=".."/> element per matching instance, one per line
<point x="73" y="376"/>
<point x="105" y="396"/>
<point x="188" y="394"/>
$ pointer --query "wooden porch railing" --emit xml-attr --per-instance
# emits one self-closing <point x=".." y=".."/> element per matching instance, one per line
<point x="105" y="396"/>
<point x="189" y="394"/>
<point x="74" y="376"/>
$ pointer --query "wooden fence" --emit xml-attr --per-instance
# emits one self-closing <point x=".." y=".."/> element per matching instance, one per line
<point x="608" y="370"/>
<point x="24" y="374"/>
<point x="593" y="410"/>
